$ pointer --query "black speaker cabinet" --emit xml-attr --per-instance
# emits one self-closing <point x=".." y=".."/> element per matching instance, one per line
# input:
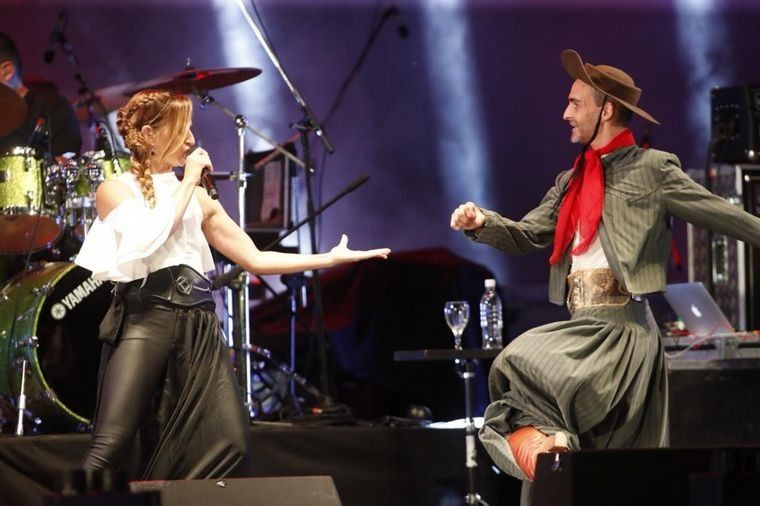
<point x="714" y="401"/>
<point x="281" y="491"/>
<point x="636" y="477"/>
<point x="736" y="124"/>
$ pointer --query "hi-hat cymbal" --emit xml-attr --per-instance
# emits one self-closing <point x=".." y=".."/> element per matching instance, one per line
<point x="195" y="80"/>
<point x="112" y="97"/>
<point x="12" y="110"/>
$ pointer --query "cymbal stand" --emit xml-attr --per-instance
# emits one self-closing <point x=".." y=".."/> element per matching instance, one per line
<point x="294" y="377"/>
<point x="233" y="273"/>
<point x="206" y="99"/>
<point x="237" y="297"/>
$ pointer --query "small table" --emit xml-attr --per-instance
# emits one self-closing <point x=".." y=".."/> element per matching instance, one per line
<point x="463" y="360"/>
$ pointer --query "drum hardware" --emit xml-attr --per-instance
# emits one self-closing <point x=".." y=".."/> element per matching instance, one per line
<point x="231" y="276"/>
<point x="270" y="391"/>
<point x="45" y="395"/>
<point x="106" y="99"/>
<point x="42" y="290"/>
<point x="21" y="402"/>
<point x="31" y="342"/>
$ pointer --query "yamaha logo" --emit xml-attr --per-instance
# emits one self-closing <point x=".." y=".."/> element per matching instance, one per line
<point x="58" y="311"/>
<point x="74" y="297"/>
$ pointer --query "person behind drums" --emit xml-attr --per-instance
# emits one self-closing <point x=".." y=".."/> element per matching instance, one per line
<point x="165" y="370"/>
<point x="42" y="104"/>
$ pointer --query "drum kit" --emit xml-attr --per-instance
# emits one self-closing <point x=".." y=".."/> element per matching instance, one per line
<point x="50" y="311"/>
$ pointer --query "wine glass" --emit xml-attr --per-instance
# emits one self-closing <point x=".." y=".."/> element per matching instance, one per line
<point x="457" y="313"/>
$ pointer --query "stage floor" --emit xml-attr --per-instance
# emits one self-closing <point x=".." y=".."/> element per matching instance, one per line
<point x="370" y="465"/>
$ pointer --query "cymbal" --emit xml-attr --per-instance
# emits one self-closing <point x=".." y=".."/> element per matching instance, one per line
<point x="12" y="110"/>
<point x="194" y="80"/>
<point x="112" y="97"/>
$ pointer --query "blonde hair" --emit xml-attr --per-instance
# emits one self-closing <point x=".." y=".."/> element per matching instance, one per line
<point x="157" y="109"/>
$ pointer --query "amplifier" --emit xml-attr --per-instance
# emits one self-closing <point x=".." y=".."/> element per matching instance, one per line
<point x="735" y="124"/>
<point x="728" y="268"/>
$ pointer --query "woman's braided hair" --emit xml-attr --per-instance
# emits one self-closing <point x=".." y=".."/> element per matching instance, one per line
<point x="157" y="109"/>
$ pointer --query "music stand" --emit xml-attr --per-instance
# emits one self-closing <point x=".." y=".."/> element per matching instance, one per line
<point x="463" y="361"/>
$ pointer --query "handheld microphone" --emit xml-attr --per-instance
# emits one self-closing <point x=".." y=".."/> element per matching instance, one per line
<point x="208" y="183"/>
<point x="56" y="36"/>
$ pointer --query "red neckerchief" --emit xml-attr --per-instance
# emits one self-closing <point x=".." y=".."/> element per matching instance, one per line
<point x="581" y="208"/>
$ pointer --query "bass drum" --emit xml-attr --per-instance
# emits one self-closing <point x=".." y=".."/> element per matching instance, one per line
<point x="50" y="317"/>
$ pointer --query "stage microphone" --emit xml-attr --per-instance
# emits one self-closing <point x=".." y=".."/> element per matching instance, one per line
<point x="56" y="36"/>
<point x="37" y="135"/>
<point x="208" y="183"/>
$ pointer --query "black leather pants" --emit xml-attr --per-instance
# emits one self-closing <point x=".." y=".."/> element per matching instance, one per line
<point x="133" y="374"/>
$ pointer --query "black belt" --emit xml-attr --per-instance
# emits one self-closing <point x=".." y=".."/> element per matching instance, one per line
<point x="177" y="286"/>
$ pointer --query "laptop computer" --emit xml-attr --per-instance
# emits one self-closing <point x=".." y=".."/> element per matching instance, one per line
<point x="697" y="309"/>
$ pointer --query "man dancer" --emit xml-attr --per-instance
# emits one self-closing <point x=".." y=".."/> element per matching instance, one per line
<point x="597" y="380"/>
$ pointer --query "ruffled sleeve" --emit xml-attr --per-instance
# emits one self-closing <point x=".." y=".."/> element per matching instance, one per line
<point x="115" y="247"/>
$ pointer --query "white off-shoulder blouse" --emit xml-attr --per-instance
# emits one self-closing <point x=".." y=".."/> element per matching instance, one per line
<point x="134" y="240"/>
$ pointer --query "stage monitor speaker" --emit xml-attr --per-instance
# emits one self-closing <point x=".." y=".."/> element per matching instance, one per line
<point x="635" y="477"/>
<point x="280" y="491"/>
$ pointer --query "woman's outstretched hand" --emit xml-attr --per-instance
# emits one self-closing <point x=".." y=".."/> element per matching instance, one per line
<point x="341" y="254"/>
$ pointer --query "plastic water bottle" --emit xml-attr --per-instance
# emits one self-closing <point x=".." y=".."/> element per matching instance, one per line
<point x="491" y="319"/>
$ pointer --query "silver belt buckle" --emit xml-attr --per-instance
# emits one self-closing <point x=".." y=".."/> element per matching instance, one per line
<point x="183" y="285"/>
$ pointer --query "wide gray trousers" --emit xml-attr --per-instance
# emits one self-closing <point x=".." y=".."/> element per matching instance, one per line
<point x="600" y="377"/>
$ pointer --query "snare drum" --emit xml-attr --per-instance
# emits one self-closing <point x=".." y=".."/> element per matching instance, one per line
<point x="28" y="221"/>
<point x="57" y="309"/>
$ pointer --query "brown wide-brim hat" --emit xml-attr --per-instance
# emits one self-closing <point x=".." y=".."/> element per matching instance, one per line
<point x="611" y="81"/>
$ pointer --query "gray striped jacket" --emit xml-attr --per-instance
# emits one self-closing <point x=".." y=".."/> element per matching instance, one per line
<point x="642" y="187"/>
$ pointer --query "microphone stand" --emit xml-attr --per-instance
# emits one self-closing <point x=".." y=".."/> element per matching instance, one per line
<point x="307" y="125"/>
<point x="90" y="98"/>
<point x="295" y="283"/>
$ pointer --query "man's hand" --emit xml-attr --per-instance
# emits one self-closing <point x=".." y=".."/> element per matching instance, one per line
<point x="467" y="216"/>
